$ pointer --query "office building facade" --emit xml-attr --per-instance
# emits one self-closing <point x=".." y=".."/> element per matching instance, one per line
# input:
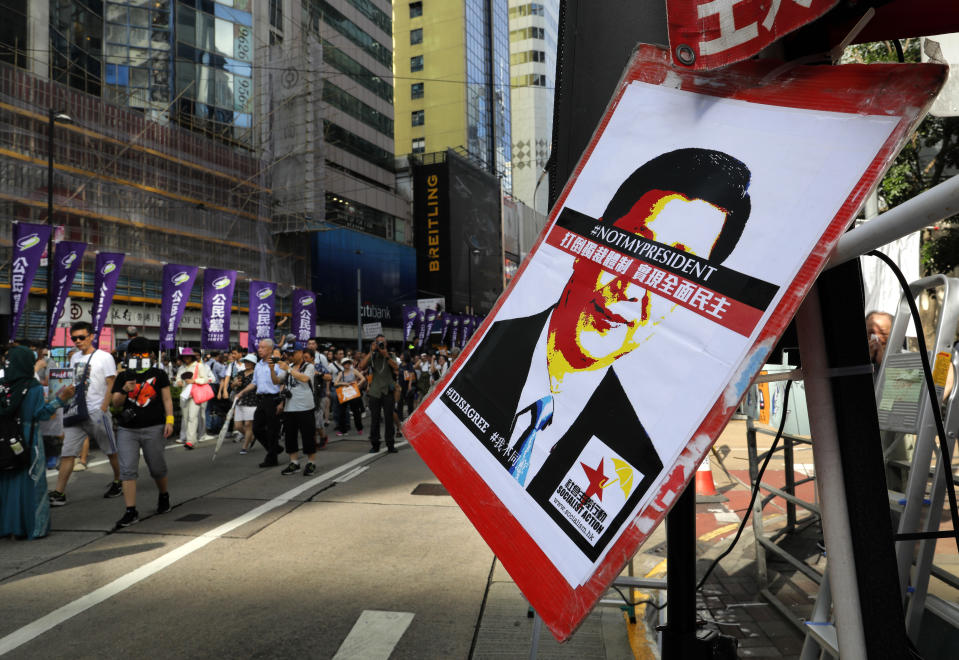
<point x="202" y="132"/>
<point x="533" y="29"/>
<point x="451" y="60"/>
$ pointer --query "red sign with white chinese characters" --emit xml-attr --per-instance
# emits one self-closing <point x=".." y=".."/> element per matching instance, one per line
<point x="698" y="218"/>
<point x="706" y="34"/>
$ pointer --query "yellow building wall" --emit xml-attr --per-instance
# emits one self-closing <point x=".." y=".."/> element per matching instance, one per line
<point x="444" y="75"/>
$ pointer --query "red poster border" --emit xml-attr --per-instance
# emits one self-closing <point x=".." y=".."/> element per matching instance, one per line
<point x="903" y="90"/>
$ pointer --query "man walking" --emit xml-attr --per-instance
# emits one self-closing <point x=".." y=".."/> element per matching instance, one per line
<point x="380" y="395"/>
<point x="267" y="378"/>
<point x="94" y="372"/>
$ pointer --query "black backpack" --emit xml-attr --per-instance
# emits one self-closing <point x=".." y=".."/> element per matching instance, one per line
<point x="14" y="449"/>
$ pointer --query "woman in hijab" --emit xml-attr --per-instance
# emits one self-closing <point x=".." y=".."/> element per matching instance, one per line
<point x="24" y="507"/>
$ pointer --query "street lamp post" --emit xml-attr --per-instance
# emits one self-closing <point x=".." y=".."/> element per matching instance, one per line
<point x="53" y="118"/>
<point x="359" y="307"/>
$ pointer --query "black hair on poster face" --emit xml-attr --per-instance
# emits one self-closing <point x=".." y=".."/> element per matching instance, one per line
<point x="712" y="176"/>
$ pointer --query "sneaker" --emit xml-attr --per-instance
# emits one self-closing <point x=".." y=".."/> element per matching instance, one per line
<point x="244" y="452"/>
<point x="374" y="450"/>
<point x="79" y="467"/>
<point x="292" y="468"/>
<point x="339" y="433"/>
<point x="188" y="445"/>
<point x="129" y="518"/>
<point x="180" y="441"/>
<point x="309" y="469"/>
<point x="57" y="498"/>
<point x="115" y="489"/>
<point x="52" y="463"/>
<point x="269" y="462"/>
<point x="163" y="503"/>
<point x="393" y="450"/>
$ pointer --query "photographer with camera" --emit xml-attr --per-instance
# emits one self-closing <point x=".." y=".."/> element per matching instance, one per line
<point x="380" y="396"/>
<point x="298" y="416"/>
<point x="145" y="421"/>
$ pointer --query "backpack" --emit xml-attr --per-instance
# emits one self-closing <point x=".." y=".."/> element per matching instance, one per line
<point x="14" y="449"/>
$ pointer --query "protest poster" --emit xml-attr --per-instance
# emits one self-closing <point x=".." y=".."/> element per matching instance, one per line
<point x="695" y="223"/>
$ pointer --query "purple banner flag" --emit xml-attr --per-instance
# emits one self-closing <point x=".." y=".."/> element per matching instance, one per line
<point x="430" y="319"/>
<point x="445" y="319"/>
<point x="304" y="316"/>
<point x="69" y="256"/>
<point x="177" y="285"/>
<point x="410" y="316"/>
<point x="29" y="242"/>
<point x="217" y="303"/>
<point x="455" y="321"/>
<point x="262" y="313"/>
<point x="105" y="279"/>
<point x="421" y="328"/>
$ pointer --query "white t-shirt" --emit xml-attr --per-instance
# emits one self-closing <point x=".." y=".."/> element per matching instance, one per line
<point x="101" y="366"/>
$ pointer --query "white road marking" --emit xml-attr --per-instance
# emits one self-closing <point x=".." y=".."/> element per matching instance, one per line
<point x="352" y="473"/>
<point x="36" y="628"/>
<point x="726" y="517"/>
<point x="374" y="635"/>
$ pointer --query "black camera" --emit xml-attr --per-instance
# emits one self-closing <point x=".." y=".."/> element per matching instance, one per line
<point x="126" y="416"/>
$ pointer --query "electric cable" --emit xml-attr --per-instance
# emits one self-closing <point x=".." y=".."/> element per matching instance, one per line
<point x="945" y="459"/>
<point x="755" y="493"/>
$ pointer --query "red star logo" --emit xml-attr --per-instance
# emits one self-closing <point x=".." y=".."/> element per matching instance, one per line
<point x="596" y="481"/>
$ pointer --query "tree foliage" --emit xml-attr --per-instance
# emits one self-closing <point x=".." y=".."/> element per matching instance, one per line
<point x="929" y="157"/>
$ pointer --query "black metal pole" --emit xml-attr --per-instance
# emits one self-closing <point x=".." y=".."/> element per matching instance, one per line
<point x="469" y="277"/>
<point x="52" y="120"/>
<point x="679" y="636"/>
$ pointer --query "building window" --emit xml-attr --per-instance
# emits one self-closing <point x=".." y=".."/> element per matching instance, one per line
<point x="416" y="36"/>
<point x="527" y="33"/>
<point x="416" y="91"/>
<point x="416" y="63"/>
<point x="528" y="80"/>
<point x="528" y="56"/>
<point x="419" y="146"/>
<point x="276" y="14"/>
<point x="416" y="9"/>
<point x="531" y="9"/>
<point x="419" y="117"/>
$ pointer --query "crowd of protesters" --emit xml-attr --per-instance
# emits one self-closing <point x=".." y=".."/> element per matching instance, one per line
<point x="285" y="397"/>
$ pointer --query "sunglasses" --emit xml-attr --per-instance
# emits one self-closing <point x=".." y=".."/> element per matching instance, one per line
<point x="78" y="337"/>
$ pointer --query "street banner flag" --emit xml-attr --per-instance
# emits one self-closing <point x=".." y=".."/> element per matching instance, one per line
<point x="430" y="315"/>
<point x="410" y="315"/>
<point x="455" y="321"/>
<point x="421" y="328"/>
<point x="696" y="222"/>
<point x="105" y="279"/>
<point x="304" y="316"/>
<point x="262" y="313"/>
<point x="217" y="304"/>
<point x="445" y="321"/>
<point x="29" y="242"/>
<point x="69" y="257"/>
<point x="177" y="285"/>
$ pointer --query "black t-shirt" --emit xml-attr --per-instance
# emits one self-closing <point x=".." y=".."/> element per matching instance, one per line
<point x="143" y="406"/>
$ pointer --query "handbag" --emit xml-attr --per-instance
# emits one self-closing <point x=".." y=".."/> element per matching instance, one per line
<point x="77" y="413"/>
<point x="200" y="393"/>
<point x="346" y="393"/>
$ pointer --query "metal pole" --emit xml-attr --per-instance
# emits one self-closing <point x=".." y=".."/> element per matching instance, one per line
<point x="359" y="316"/>
<point x="469" y="278"/>
<point x="922" y="210"/>
<point x="679" y="637"/>
<point x="52" y="120"/>
<point x="829" y="478"/>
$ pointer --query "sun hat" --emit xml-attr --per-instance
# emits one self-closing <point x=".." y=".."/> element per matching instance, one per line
<point x="187" y="351"/>
<point x="249" y="357"/>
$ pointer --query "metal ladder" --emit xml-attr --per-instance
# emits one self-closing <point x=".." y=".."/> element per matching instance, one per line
<point x="904" y="411"/>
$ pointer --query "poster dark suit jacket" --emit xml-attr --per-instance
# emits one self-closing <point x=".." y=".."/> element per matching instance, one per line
<point x="492" y="383"/>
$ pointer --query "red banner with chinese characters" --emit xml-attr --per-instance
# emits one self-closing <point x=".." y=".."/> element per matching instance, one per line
<point x="707" y="34"/>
